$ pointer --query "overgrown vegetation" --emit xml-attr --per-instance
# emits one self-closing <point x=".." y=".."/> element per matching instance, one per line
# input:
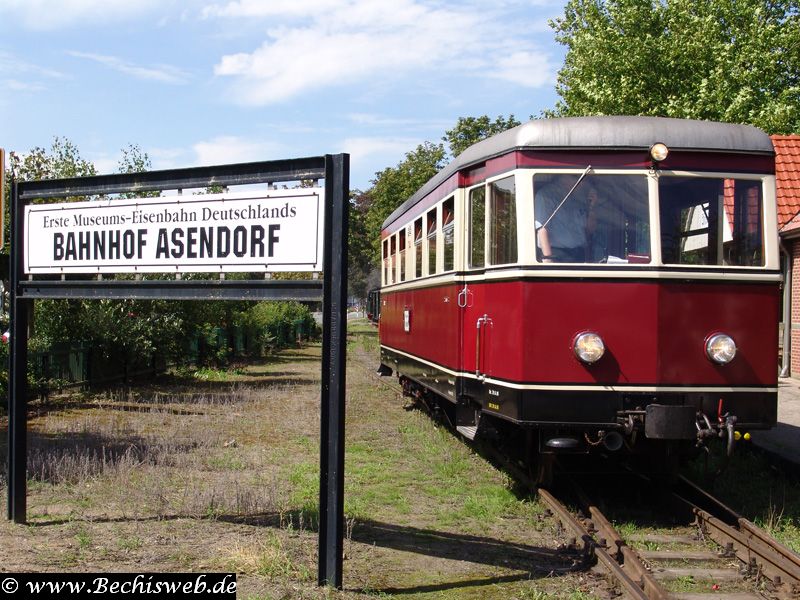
<point x="224" y="475"/>
<point x="764" y="491"/>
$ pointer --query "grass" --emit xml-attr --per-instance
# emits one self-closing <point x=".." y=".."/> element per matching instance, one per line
<point x="220" y="471"/>
<point x="762" y="491"/>
<point x="270" y="558"/>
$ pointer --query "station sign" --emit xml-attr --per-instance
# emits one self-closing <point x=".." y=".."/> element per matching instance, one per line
<point x="264" y="231"/>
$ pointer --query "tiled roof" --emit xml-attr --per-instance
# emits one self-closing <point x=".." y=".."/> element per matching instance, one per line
<point x="787" y="175"/>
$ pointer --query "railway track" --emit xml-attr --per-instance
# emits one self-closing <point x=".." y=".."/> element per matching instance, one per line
<point x="737" y="559"/>
<point x="744" y="564"/>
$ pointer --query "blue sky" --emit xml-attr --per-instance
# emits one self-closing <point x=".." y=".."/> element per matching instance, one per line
<point x="198" y="82"/>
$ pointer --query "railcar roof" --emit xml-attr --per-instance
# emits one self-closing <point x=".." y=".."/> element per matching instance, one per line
<point x="603" y="133"/>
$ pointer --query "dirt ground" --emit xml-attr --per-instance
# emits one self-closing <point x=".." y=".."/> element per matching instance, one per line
<point x="219" y="472"/>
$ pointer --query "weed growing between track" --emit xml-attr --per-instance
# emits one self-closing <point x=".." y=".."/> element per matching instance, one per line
<point x="757" y="486"/>
<point x="221" y="473"/>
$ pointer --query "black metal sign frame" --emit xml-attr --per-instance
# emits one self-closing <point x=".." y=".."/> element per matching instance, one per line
<point x="332" y="290"/>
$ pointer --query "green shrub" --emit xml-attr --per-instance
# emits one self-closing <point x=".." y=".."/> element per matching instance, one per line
<point x="275" y="325"/>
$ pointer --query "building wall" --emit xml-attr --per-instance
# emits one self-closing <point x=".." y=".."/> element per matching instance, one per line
<point x="793" y="246"/>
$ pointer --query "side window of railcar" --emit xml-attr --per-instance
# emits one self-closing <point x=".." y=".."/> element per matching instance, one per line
<point x="477" y="226"/>
<point x="711" y="221"/>
<point x="432" y="241"/>
<point x="393" y="260"/>
<point x="448" y="234"/>
<point x="503" y="222"/>
<point x="418" y="247"/>
<point x="386" y="279"/>
<point x="402" y="256"/>
<point x="602" y="219"/>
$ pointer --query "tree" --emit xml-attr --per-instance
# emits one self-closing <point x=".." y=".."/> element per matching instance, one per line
<point x="63" y="160"/>
<point x="134" y="160"/>
<point x="727" y="60"/>
<point x="359" y="245"/>
<point x="394" y="185"/>
<point x="469" y="130"/>
<point x="115" y="329"/>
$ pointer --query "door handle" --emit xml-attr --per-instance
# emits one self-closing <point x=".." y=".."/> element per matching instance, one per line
<point x="465" y="298"/>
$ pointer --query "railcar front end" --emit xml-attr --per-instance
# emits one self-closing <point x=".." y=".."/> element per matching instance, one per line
<point x="604" y="282"/>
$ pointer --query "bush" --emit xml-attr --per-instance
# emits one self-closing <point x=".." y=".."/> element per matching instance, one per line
<point x="275" y="325"/>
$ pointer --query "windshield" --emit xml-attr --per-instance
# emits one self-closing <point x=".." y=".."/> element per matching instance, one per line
<point x="604" y="220"/>
<point x="711" y="221"/>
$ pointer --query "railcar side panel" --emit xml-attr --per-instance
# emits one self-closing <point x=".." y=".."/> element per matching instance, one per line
<point x="433" y="316"/>
<point x="654" y="332"/>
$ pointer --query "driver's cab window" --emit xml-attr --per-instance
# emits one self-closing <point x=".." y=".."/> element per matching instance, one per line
<point x="711" y="221"/>
<point x="591" y="219"/>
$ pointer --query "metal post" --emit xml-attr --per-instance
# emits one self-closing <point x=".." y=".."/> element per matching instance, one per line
<point x="17" y="374"/>
<point x="334" y="341"/>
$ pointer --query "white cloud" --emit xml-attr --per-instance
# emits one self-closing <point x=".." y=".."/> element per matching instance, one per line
<point x="220" y="150"/>
<point x="228" y="149"/>
<point x="269" y="8"/>
<point x="168" y="158"/>
<point x="22" y="86"/>
<point x="105" y="164"/>
<point x="372" y="150"/>
<point x="373" y="120"/>
<point x="528" y="69"/>
<point x="45" y="15"/>
<point x="161" y="73"/>
<point x="348" y="42"/>
<point x="17" y="75"/>
<point x="10" y="63"/>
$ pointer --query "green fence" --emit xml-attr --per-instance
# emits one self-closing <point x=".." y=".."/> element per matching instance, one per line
<point x="68" y="366"/>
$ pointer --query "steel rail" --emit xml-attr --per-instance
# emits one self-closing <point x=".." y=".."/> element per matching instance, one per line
<point x="772" y="560"/>
<point x="642" y="589"/>
<point x="641" y="585"/>
<point x="626" y="556"/>
<point x="762" y="554"/>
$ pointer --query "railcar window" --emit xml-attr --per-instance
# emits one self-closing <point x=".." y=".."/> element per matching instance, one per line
<point x="392" y="262"/>
<point x="711" y="221"/>
<point x="386" y="279"/>
<point x="432" y="242"/>
<point x="402" y="241"/>
<point x="604" y="220"/>
<point x="418" y="247"/>
<point x="503" y="222"/>
<point x="448" y="234"/>
<point x="477" y="226"/>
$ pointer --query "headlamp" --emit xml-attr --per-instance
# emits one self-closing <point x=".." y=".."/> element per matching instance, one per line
<point x="588" y="347"/>
<point x="720" y="348"/>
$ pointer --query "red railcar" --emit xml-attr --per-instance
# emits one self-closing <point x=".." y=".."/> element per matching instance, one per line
<point x="597" y="281"/>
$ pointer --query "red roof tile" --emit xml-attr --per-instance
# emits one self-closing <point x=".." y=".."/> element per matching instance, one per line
<point x="787" y="177"/>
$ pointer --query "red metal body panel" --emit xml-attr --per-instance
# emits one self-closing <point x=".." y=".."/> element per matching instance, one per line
<point x="693" y="161"/>
<point x="654" y="331"/>
<point x="435" y="315"/>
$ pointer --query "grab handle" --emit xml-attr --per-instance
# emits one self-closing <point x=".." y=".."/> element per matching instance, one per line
<point x="479" y="326"/>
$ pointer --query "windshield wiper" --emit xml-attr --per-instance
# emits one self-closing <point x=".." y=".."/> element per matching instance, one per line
<point x="569" y="193"/>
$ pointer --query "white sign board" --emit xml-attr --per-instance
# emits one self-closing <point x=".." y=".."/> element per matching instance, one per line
<point x="264" y="231"/>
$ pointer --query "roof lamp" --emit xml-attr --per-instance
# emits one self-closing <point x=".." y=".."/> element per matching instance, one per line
<point x="659" y="151"/>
